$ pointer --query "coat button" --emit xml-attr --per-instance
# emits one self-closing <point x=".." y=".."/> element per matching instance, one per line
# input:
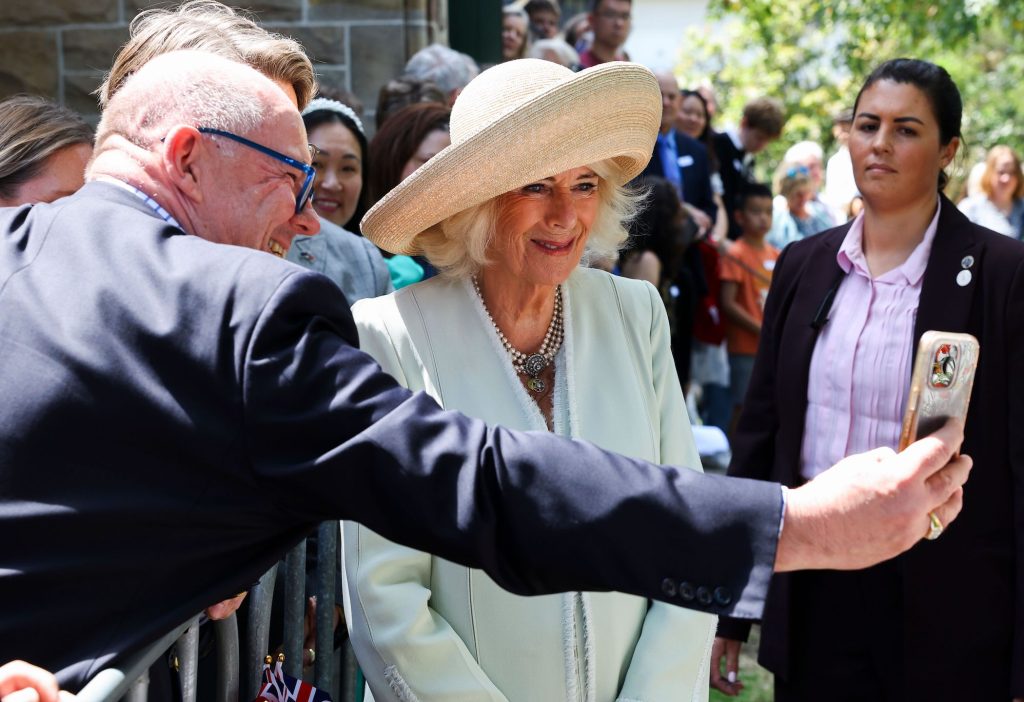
<point x="686" y="591"/>
<point x="704" y="595"/>
<point x="668" y="586"/>
<point x="722" y="596"/>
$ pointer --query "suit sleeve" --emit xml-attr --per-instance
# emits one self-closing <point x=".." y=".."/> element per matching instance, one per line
<point x="399" y="640"/>
<point x="671" y="658"/>
<point x="329" y="435"/>
<point x="703" y="198"/>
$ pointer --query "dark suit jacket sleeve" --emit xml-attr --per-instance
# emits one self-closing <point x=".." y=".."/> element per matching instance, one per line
<point x="333" y="436"/>
<point x="697" y="175"/>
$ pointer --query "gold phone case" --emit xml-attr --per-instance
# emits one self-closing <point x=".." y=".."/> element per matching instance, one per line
<point x="940" y="386"/>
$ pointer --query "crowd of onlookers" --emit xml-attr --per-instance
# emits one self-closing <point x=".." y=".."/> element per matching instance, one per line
<point x="707" y="241"/>
<point x="707" y="238"/>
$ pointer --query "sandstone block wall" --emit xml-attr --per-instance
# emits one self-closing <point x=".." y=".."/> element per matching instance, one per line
<point x="61" y="48"/>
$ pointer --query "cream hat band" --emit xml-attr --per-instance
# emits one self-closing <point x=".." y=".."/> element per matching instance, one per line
<point x="517" y="123"/>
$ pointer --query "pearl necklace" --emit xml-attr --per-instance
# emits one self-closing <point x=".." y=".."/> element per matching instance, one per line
<point x="533" y="364"/>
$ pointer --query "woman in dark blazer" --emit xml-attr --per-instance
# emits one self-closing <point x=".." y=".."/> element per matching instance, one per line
<point x="944" y="621"/>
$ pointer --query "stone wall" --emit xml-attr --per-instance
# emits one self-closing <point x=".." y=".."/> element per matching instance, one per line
<point x="62" y="48"/>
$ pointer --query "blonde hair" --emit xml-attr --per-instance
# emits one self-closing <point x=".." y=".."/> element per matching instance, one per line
<point x="210" y="26"/>
<point x="458" y="245"/>
<point x="31" y="130"/>
<point x="994" y="155"/>
<point x="518" y="14"/>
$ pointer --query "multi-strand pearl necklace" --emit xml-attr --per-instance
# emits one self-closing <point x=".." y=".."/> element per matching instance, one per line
<point x="532" y="364"/>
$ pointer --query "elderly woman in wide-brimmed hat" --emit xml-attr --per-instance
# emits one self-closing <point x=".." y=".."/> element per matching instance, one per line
<point x="516" y="332"/>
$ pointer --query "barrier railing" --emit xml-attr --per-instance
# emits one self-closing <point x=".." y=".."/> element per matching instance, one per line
<point x="239" y="677"/>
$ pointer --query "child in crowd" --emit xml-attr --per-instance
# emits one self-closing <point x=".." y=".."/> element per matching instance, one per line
<point x="746" y="272"/>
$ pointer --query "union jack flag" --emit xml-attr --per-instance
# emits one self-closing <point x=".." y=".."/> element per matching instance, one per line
<point x="280" y="687"/>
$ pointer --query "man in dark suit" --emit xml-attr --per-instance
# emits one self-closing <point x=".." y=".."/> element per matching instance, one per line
<point x="762" y="123"/>
<point x="180" y="407"/>
<point x="681" y="159"/>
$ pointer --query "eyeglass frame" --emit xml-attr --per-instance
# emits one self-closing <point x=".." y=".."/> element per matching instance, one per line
<point x="305" y="193"/>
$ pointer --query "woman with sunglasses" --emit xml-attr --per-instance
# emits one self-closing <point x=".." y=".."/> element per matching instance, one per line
<point x="796" y="219"/>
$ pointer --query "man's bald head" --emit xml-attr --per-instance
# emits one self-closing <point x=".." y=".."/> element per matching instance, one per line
<point x="177" y="130"/>
<point x="189" y="88"/>
<point x="670" y="99"/>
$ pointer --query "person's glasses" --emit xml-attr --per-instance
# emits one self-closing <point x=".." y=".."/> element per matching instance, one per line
<point x="797" y="171"/>
<point x="305" y="192"/>
<point x="612" y="16"/>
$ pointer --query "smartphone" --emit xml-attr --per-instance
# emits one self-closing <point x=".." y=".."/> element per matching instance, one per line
<point x="940" y="386"/>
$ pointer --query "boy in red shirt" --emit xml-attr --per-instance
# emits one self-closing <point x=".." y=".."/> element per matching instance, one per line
<point x="746" y="271"/>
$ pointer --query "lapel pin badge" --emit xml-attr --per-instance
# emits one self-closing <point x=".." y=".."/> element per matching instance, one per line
<point x="963" y="278"/>
<point x="967" y="262"/>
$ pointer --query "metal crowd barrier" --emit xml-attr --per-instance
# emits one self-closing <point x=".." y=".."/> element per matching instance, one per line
<point x="238" y="678"/>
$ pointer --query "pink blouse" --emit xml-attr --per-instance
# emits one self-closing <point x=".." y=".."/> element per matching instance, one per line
<point x="860" y="368"/>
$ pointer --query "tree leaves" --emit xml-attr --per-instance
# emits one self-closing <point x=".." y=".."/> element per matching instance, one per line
<point x="814" y="55"/>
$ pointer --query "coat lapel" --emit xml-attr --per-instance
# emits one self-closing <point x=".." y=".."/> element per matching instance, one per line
<point x="815" y="282"/>
<point x="945" y="304"/>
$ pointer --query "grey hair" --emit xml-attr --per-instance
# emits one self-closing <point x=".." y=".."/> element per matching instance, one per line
<point x="567" y="55"/>
<point x="457" y="246"/>
<point x="185" y="87"/>
<point x="803" y="149"/>
<point x="446" y="68"/>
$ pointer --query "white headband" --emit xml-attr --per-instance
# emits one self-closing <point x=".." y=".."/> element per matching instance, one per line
<point x="320" y="103"/>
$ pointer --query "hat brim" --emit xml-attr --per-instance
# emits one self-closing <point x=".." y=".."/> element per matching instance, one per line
<point x="611" y="112"/>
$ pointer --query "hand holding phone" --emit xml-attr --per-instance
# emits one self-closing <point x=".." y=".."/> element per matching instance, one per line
<point x="941" y="383"/>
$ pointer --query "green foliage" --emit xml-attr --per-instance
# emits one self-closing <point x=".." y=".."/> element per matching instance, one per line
<point x="814" y="55"/>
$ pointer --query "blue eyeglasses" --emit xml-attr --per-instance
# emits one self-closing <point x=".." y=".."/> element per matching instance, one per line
<point x="798" y="171"/>
<point x="305" y="192"/>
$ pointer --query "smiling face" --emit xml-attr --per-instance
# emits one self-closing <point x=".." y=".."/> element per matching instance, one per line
<point x="251" y="197"/>
<point x="692" y="117"/>
<point x="339" y="172"/>
<point x="542" y="229"/>
<point x="895" y="145"/>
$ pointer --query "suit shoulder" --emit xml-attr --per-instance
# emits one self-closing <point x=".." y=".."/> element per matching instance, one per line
<point x="686" y="143"/>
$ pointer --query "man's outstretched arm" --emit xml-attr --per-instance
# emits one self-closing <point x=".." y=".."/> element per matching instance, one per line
<point x="543" y="514"/>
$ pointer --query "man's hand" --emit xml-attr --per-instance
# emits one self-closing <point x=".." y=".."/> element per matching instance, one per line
<point x="22" y="682"/>
<point x="223" y="610"/>
<point x="872" y="506"/>
<point x="728" y="681"/>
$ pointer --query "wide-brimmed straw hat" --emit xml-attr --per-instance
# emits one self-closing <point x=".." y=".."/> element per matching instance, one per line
<point x="517" y="123"/>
